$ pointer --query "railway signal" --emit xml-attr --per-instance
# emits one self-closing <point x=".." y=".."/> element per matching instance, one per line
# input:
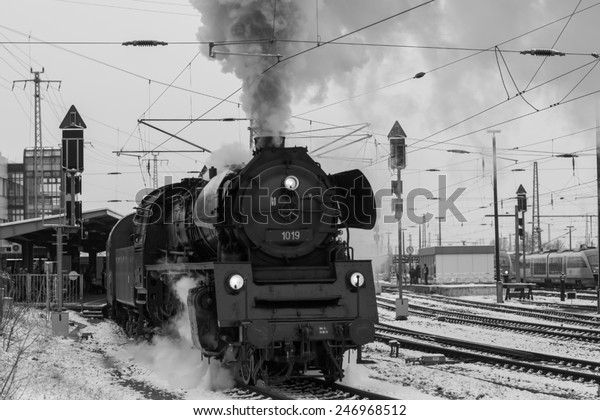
<point x="520" y="224"/>
<point x="72" y="128"/>
<point x="397" y="160"/>
<point x="520" y="210"/>
<point x="522" y="198"/>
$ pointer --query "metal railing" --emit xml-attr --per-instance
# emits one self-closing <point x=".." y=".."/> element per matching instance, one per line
<point x="41" y="289"/>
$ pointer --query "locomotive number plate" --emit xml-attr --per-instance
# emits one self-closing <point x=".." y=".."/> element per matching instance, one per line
<point x="288" y="235"/>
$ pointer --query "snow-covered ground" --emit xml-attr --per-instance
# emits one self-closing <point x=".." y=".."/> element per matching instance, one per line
<point x="109" y="366"/>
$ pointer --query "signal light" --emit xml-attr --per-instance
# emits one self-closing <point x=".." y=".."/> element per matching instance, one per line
<point x="521" y="226"/>
<point x="73" y="219"/>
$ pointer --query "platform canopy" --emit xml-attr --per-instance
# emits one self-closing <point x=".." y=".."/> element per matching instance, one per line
<point x="40" y="232"/>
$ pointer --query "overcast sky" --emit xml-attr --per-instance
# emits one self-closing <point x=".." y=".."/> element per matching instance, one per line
<point x="469" y="87"/>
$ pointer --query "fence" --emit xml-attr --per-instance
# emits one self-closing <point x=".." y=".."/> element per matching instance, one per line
<point x="42" y="289"/>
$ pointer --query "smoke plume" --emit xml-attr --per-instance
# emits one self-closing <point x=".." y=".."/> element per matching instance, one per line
<point x="287" y="28"/>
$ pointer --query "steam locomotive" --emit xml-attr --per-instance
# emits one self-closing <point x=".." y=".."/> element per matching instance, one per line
<point x="277" y="292"/>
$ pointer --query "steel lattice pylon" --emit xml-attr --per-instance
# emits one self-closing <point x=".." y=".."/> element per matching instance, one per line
<point x="38" y="154"/>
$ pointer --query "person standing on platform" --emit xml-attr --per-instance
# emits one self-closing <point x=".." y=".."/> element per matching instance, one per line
<point x="417" y="273"/>
<point x="425" y="273"/>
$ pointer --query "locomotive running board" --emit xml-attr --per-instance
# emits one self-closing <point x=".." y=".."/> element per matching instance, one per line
<point x="180" y="267"/>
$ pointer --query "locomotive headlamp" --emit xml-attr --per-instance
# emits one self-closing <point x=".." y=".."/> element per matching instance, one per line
<point x="235" y="282"/>
<point x="356" y="279"/>
<point x="291" y="182"/>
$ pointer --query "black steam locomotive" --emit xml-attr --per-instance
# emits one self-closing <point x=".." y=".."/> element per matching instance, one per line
<point x="277" y="292"/>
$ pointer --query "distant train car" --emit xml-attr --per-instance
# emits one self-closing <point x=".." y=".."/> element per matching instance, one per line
<point x="547" y="268"/>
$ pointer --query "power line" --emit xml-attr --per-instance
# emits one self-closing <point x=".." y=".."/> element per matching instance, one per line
<point x="129" y="8"/>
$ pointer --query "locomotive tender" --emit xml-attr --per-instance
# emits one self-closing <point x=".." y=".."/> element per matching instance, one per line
<point x="277" y="291"/>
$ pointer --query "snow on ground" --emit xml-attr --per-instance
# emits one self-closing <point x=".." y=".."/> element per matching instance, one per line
<point x="109" y="366"/>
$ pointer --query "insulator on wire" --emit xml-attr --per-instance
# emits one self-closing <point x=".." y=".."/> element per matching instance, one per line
<point x="544" y="52"/>
<point x="144" y="43"/>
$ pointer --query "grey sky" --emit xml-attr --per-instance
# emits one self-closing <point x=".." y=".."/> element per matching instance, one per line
<point x="465" y="92"/>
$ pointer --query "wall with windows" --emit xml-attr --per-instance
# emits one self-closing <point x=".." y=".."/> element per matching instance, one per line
<point x="3" y="189"/>
<point x="50" y="201"/>
<point x="16" y="192"/>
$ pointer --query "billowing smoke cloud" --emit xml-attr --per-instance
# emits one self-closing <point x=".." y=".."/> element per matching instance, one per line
<point x="279" y="27"/>
<point x="266" y="96"/>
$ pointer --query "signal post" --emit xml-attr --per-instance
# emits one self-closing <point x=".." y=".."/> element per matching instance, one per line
<point x="72" y="165"/>
<point x="397" y="160"/>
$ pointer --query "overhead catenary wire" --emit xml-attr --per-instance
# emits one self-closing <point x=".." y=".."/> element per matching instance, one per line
<point x="554" y="44"/>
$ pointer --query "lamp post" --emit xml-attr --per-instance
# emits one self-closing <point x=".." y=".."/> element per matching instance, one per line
<point x="397" y="160"/>
<point x="496" y="231"/>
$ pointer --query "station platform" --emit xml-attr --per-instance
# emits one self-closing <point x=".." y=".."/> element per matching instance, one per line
<point x="91" y="302"/>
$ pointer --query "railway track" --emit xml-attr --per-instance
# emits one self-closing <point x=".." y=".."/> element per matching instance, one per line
<point x="526" y="361"/>
<point x="545" y="330"/>
<point x="303" y="389"/>
<point x="592" y="321"/>
<point x="581" y="294"/>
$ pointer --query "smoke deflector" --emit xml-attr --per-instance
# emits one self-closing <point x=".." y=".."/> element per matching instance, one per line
<point x="355" y="200"/>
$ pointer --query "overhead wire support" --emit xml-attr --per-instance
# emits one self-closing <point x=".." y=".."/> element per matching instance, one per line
<point x="543" y="52"/>
<point x="226" y="119"/>
<point x="212" y="53"/>
<point x="38" y="152"/>
<point x="144" y="43"/>
<point x="174" y="136"/>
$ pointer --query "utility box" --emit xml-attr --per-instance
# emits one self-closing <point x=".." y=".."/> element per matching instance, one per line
<point x="60" y="323"/>
<point x="402" y="308"/>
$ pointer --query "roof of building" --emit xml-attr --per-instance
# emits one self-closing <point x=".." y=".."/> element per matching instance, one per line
<point x="460" y="249"/>
<point x="42" y="232"/>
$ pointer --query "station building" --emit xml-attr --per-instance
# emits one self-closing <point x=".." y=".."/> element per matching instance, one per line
<point x="458" y="264"/>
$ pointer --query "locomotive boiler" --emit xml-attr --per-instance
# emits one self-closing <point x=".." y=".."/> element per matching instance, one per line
<point x="277" y="292"/>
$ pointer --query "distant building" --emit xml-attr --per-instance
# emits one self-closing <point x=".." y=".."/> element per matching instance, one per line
<point x="458" y="264"/>
<point x="3" y="189"/>
<point x="16" y="192"/>
<point x="18" y="199"/>
<point x="51" y="183"/>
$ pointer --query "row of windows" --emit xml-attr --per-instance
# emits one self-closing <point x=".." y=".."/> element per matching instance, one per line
<point x="16" y="214"/>
<point x="555" y="265"/>
<point x="45" y="153"/>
